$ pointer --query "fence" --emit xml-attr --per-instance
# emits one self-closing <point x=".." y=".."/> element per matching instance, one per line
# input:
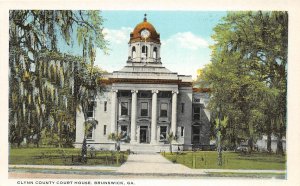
<point x="60" y="157"/>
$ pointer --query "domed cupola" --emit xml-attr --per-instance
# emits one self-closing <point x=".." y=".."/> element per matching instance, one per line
<point x="144" y="31"/>
<point x="144" y="43"/>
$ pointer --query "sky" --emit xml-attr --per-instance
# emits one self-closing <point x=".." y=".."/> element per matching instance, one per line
<point x="185" y="38"/>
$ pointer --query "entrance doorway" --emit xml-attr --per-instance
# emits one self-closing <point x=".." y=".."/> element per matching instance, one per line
<point x="143" y="134"/>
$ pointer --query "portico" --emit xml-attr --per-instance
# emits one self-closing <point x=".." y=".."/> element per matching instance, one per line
<point x="147" y="110"/>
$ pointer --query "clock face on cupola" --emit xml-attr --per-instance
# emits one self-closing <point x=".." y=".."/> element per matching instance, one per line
<point x="144" y="43"/>
<point x="145" y="33"/>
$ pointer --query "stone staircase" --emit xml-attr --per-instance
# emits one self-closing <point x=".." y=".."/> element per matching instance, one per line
<point x="146" y="148"/>
<point x="139" y="148"/>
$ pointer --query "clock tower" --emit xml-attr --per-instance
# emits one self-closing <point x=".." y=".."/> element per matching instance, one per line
<point x="144" y="101"/>
<point x="144" y="44"/>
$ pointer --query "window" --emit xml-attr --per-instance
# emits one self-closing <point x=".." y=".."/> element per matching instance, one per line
<point x="90" y="110"/>
<point x="163" y="133"/>
<point x="144" y="51"/>
<point x="164" y="110"/>
<point x="196" y="112"/>
<point x="90" y="133"/>
<point x="105" y="106"/>
<point x="104" y="130"/>
<point x="155" y="53"/>
<point x="144" y="94"/>
<point x="196" y="134"/>
<point x="133" y="52"/>
<point x="182" y="107"/>
<point x="182" y="131"/>
<point x="164" y="94"/>
<point x="125" y="94"/>
<point x="144" y="109"/>
<point x="124" y="109"/>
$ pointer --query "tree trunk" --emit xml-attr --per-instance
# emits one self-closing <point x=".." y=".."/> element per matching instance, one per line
<point x="219" y="149"/>
<point x="269" y="141"/>
<point x="118" y="146"/>
<point x="279" y="139"/>
<point x="38" y="137"/>
<point x="60" y="136"/>
<point x="250" y="144"/>
<point x="84" y="151"/>
<point x="27" y="141"/>
<point x="37" y="140"/>
<point x="279" y="144"/>
<point x="269" y="133"/>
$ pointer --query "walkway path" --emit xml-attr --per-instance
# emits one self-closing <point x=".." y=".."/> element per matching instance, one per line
<point x="153" y="163"/>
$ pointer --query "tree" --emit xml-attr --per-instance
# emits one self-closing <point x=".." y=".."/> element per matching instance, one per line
<point x="41" y="95"/>
<point x="248" y="67"/>
<point x="220" y="123"/>
<point x="117" y="138"/>
<point x="170" y="139"/>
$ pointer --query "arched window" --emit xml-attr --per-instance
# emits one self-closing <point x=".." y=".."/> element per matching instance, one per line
<point x="155" y="53"/>
<point x="133" y="54"/>
<point x="144" y="51"/>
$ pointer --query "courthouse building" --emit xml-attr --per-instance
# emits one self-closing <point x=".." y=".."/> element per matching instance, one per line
<point x="144" y="101"/>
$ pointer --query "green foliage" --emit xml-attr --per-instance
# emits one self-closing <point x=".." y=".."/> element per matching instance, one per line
<point x="61" y="156"/>
<point x="231" y="160"/>
<point x="49" y="138"/>
<point x="115" y="137"/>
<point x="89" y="124"/>
<point x="46" y="86"/>
<point x="224" y="122"/>
<point x="170" y="137"/>
<point x="90" y="37"/>
<point x="247" y="74"/>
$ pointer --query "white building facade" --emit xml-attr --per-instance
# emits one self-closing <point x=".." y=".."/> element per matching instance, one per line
<point x="144" y="101"/>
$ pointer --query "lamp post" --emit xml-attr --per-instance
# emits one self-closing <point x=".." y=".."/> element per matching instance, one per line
<point x="219" y="148"/>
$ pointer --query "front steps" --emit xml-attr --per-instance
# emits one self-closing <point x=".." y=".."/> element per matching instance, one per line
<point x="135" y="148"/>
<point x="147" y="148"/>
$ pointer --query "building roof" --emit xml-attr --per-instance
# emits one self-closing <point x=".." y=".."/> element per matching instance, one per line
<point x="139" y="72"/>
<point x="201" y="90"/>
<point x="135" y="36"/>
<point x="144" y="72"/>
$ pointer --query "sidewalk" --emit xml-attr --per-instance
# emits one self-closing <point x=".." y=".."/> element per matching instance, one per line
<point x="148" y="164"/>
<point x="62" y="167"/>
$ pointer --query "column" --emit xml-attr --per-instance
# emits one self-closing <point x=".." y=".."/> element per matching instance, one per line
<point x="151" y="51"/>
<point x="133" y="116"/>
<point x="174" y="112"/>
<point x="113" y="111"/>
<point x="154" y="117"/>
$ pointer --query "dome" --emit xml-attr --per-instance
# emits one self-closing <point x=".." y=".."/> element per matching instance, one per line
<point x="136" y="34"/>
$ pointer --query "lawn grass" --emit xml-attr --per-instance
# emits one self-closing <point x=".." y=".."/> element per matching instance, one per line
<point x="231" y="160"/>
<point x="247" y="175"/>
<point x="62" y="156"/>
